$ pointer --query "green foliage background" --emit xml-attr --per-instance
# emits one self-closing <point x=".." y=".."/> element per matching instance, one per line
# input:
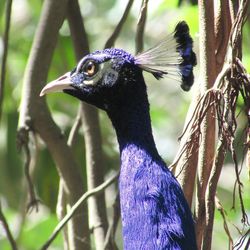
<point x="169" y="106"/>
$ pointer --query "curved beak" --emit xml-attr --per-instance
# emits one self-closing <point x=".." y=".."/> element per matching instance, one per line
<point x="62" y="83"/>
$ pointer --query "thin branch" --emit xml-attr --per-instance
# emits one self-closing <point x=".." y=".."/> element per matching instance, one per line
<point x="185" y="163"/>
<point x="61" y="197"/>
<point x="210" y="194"/>
<point x="33" y="201"/>
<point x="5" y="52"/>
<point x="92" y="135"/>
<point x="223" y="23"/>
<point x="111" y="40"/>
<point x="241" y="83"/>
<point x="74" y="130"/>
<point x="23" y="143"/>
<point x="95" y="172"/>
<point x="141" y="26"/>
<point x="222" y="99"/>
<point x="110" y="236"/>
<point x="7" y="230"/>
<point x="95" y="191"/>
<point x="223" y="214"/>
<point x="77" y="29"/>
<point x="35" y="116"/>
<point x="61" y="211"/>
<point x="244" y="214"/>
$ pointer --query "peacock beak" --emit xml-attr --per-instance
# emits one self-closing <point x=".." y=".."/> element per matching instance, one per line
<point x="62" y="83"/>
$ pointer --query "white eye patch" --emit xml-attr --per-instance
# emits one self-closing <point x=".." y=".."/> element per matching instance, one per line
<point x="106" y="72"/>
<point x="110" y="77"/>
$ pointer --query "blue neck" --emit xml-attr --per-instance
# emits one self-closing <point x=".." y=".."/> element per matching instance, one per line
<point x="154" y="212"/>
<point x="138" y="151"/>
<point x="131" y="119"/>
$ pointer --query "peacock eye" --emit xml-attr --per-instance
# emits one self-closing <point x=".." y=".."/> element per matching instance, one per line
<point x="90" y="68"/>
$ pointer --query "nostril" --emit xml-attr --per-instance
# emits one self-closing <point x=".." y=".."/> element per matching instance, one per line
<point x="62" y="77"/>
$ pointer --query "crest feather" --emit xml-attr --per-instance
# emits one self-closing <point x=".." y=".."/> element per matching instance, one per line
<point x="173" y="57"/>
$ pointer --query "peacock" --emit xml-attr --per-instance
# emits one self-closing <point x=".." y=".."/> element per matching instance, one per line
<point x="154" y="212"/>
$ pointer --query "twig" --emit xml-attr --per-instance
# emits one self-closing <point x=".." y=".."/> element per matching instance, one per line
<point x="5" y="51"/>
<point x="244" y="214"/>
<point x="84" y="197"/>
<point x="34" y="113"/>
<point x="111" y="40"/>
<point x="61" y="211"/>
<point x="206" y="102"/>
<point x="210" y="193"/>
<point x="61" y="197"/>
<point x="222" y="98"/>
<point x="185" y="162"/>
<point x="33" y="201"/>
<point x="22" y="143"/>
<point x="141" y="26"/>
<point x="74" y="130"/>
<point x="110" y="236"/>
<point x="92" y="135"/>
<point x="7" y="230"/>
<point x="223" y="214"/>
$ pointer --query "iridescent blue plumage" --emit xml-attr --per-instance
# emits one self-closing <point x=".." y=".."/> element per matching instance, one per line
<point x="155" y="214"/>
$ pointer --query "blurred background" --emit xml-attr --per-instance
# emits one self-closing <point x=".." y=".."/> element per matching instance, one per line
<point x="169" y="106"/>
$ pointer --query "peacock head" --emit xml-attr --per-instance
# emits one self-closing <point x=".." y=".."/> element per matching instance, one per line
<point x="101" y="76"/>
<point x="97" y="77"/>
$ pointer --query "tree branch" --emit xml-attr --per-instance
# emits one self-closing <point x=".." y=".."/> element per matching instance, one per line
<point x="5" y="52"/>
<point x="61" y="197"/>
<point x="77" y="29"/>
<point x="35" y="116"/>
<point x="223" y="23"/>
<point x="96" y="191"/>
<point x="111" y="40"/>
<point x="74" y="130"/>
<point x="185" y="162"/>
<point x="61" y="211"/>
<point x="92" y="135"/>
<point x="7" y="230"/>
<point x="210" y="194"/>
<point x="110" y="237"/>
<point x="223" y="214"/>
<point x="141" y="26"/>
<point x="23" y="143"/>
<point x="207" y="78"/>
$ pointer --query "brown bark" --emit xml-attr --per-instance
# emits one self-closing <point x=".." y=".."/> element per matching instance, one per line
<point x="207" y="77"/>
<point x="141" y="26"/>
<point x="185" y="163"/>
<point x="211" y="192"/>
<point x="223" y="25"/>
<point x="5" y="52"/>
<point x="61" y="211"/>
<point x="34" y="114"/>
<point x="95" y="173"/>
<point x="92" y="136"/>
